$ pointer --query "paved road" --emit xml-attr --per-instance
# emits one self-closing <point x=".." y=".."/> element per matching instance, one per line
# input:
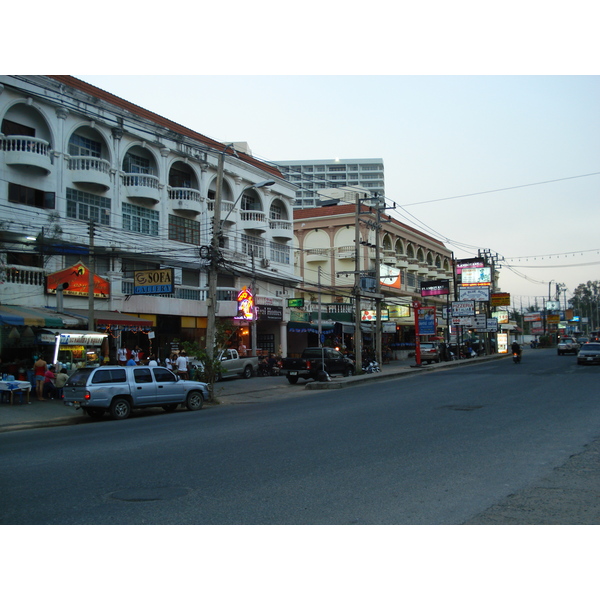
<point x="448" y="447"/>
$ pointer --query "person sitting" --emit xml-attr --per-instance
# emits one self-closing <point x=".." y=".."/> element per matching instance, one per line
<point x="516" y="349"/>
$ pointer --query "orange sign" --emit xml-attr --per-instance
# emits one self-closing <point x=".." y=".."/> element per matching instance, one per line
<point x="78" y="279"/>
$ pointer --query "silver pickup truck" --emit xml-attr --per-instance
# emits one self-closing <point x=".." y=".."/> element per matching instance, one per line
<point x="118" y="390"/>
<point x="233" y="364"/>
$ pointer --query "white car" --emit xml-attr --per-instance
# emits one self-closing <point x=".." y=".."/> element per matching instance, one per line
<point x="567" y="345"/>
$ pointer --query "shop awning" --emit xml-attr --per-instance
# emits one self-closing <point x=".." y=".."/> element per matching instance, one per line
<point x="37" y="317"/>
<point x="113" y="317"/>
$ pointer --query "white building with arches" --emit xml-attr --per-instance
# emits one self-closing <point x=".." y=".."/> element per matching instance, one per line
<point x="72" y="154"/>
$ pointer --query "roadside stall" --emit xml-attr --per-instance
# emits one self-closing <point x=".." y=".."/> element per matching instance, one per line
<point x="74" y="349"/>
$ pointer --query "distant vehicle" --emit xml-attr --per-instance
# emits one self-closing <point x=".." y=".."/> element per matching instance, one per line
<point x="589" y="354"/>
<point x="310" y="365"/>
<point x="567" y="345"/>
<point x="233" y="364"/>
<point x="583" y="340"/>
<point x="430" y="352"/>
<point x="118" y="390"/>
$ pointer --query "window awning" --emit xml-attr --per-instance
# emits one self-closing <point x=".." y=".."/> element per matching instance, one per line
<point x="37" y="317"/>
<point x="113" y="317"/>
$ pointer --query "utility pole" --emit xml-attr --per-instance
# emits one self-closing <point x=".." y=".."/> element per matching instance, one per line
<point x="253" y="337"/>
<point x="357" y="273"/>
<point x="91" y="271"/>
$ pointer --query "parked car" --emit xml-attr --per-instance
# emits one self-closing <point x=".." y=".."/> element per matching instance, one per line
<point x="430" y="352"/>
<point x="118" y="390"/>
<point x="314" y="361"/>
<point x="233" y="364"/>
<point x="589" y="354"/>
<point x="567" y="345"/>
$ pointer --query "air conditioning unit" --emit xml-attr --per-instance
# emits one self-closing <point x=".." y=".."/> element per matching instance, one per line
<point x="265" y="262"/>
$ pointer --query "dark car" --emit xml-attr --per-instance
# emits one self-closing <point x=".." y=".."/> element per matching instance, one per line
<point x="589" y="354"/>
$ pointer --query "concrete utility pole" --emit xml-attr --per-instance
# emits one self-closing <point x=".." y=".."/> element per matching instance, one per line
<point x="91" y="272"/>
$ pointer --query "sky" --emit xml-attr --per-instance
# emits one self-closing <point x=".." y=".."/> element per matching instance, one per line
<point x="498" y="162"/>
<point x="486" y="117"/>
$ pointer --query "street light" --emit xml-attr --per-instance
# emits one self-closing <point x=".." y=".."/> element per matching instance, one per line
<point x="211" y="320"/>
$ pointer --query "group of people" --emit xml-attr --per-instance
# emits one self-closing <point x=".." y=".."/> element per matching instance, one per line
<point x="178" y="363"/>
<point x="49" y="382"/>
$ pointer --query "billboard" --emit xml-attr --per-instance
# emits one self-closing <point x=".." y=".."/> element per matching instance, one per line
<point x="479" y="276"/>
<point x="427" y="322"/>
<point x="436" y="287"/>
<point x="468" y="263"/>
<point x="478" y="293"/>
<point x="463" y="309"/>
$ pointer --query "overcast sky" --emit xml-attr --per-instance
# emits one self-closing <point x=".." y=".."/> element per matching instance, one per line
<point x="452" y="147"/>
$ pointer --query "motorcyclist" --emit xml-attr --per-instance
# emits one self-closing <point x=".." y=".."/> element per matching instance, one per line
<point x="516" y="349"/>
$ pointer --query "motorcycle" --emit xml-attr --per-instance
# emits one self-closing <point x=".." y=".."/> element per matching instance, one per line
<point x="516" y="357"/>
<point x="371" y="367"/>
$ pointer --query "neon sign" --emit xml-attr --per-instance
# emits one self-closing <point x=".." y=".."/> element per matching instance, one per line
<point x="245" y="302"/>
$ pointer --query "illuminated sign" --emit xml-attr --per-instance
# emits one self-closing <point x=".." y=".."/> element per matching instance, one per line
<point x="437" y="287"/>
<point x="245" y="302"/>
<point x="158" y="281"/>
<point x="295" y="302"/>
<point x="399" y="311"/>
<point x="479" y="276"/>
<point x="75" y="281"/>
<point x="500" y="299"/>
<point x="468" y="263"/>
<point x="371" y="315"/>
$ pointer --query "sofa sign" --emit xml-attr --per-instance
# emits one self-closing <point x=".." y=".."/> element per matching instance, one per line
<point x="157" y="281"/>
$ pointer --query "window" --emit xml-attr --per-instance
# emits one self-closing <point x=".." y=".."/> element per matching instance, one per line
<point x="142" y="375"/>
<point x="110" y="375"/>
<point x="12" y="128"/>
<point x="280" y="253"/>
<point x="21" y="194"/>
<point x="163" y="375"/>
<point x="179" y="179"/>
<point x="275" y="213"/>
<point x="82" y="146"/>
<point x="250" y="203"/>
<point x="140" y="219"/>
<point x="137" y="164"/>
<point x="253" y="246"/>
<point x="184" y="230"/>
<point x="85" y="207"/>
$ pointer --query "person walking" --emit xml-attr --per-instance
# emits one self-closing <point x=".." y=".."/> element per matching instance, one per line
<point x="40" y="366"/>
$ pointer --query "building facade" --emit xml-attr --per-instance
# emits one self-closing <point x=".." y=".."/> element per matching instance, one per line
<point x="314" y="176"/>
<point x="327" y="261"/>
<point x="91" y="181"/>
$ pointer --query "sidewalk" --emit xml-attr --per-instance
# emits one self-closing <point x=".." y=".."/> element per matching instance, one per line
<point x="52" y="413"/>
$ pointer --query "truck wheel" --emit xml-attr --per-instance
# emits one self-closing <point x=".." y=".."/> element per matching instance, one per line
<point x="247" y="372"/>
<point x="120" y="409"/>
<point x="194" y="400"/>
<point x="293" y="379"/>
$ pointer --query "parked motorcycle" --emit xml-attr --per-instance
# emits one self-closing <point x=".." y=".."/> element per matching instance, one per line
<point x="371" y="367"/>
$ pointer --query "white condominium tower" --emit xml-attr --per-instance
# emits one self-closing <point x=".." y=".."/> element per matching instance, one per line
<point x="311" y="176"/>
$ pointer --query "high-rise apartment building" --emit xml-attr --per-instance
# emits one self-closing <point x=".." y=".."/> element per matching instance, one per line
<point x="312" y="176"/>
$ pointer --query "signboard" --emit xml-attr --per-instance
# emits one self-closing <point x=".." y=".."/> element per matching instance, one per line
<point x="478" y="293"/>
<point x="500" y="299"/>
<point x="427" y="321"/>
<point x="76" y="282"/>
<point x="468" y="263"/>
<point x="553" y="319"/>
<point x="479" y="276"/>
<point x="390" y="277"/>
<point x="398" y="312"/>
<point x="463" y="309"/>
<point x="502" y="343"/>
<point x="245" y="302"/>
<point x="295" y="302"/>
<point x="535" y="316"/>
<point x="157" y="281"/>
<point x="436" y="287"/>
<point x="480" y="322"/>
<point x="269" y="313"/>
<point x="463" y="321"/>
<point x="552" y="305"/>
<point x="371" y="315"/>
<point x="501" y="315"/>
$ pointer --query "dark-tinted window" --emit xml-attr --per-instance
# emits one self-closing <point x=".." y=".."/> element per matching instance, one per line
<point x="30" y="196"/>
<point x="110" y="376"/>
<point x="142" y="375"/>
<point x="163" y="375"/>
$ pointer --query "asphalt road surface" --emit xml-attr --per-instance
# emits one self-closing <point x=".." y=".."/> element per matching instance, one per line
<point x="443" y="447"/>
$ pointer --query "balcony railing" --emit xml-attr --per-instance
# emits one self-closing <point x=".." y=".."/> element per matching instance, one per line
<point x="25" y="150"/>
<point x="25" y="275"/>
<point x="89" y="169"/>
<point x="186" y="199"/>
<point x="140" y="185"/>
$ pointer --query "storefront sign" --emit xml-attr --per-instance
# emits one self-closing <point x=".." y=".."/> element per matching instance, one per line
<point x="269" y="313"/>
<point x="463" y="309"/>
<point x="500" y="299"/>
<point x="158" y="281"/>
<point x="478" y="293"/>
<point x="480" y="276"/>
<point x="427" y="321"/>
<point x="295" y="302"/>
<point x="245" y="302"/>
<point x="75" y="281"/>
<point x="437" y="287"/>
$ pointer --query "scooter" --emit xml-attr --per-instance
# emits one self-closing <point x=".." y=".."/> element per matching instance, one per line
<point x="371" y="367"/>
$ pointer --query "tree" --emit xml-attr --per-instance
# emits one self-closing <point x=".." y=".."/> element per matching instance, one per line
<point x="586" y="302"/>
